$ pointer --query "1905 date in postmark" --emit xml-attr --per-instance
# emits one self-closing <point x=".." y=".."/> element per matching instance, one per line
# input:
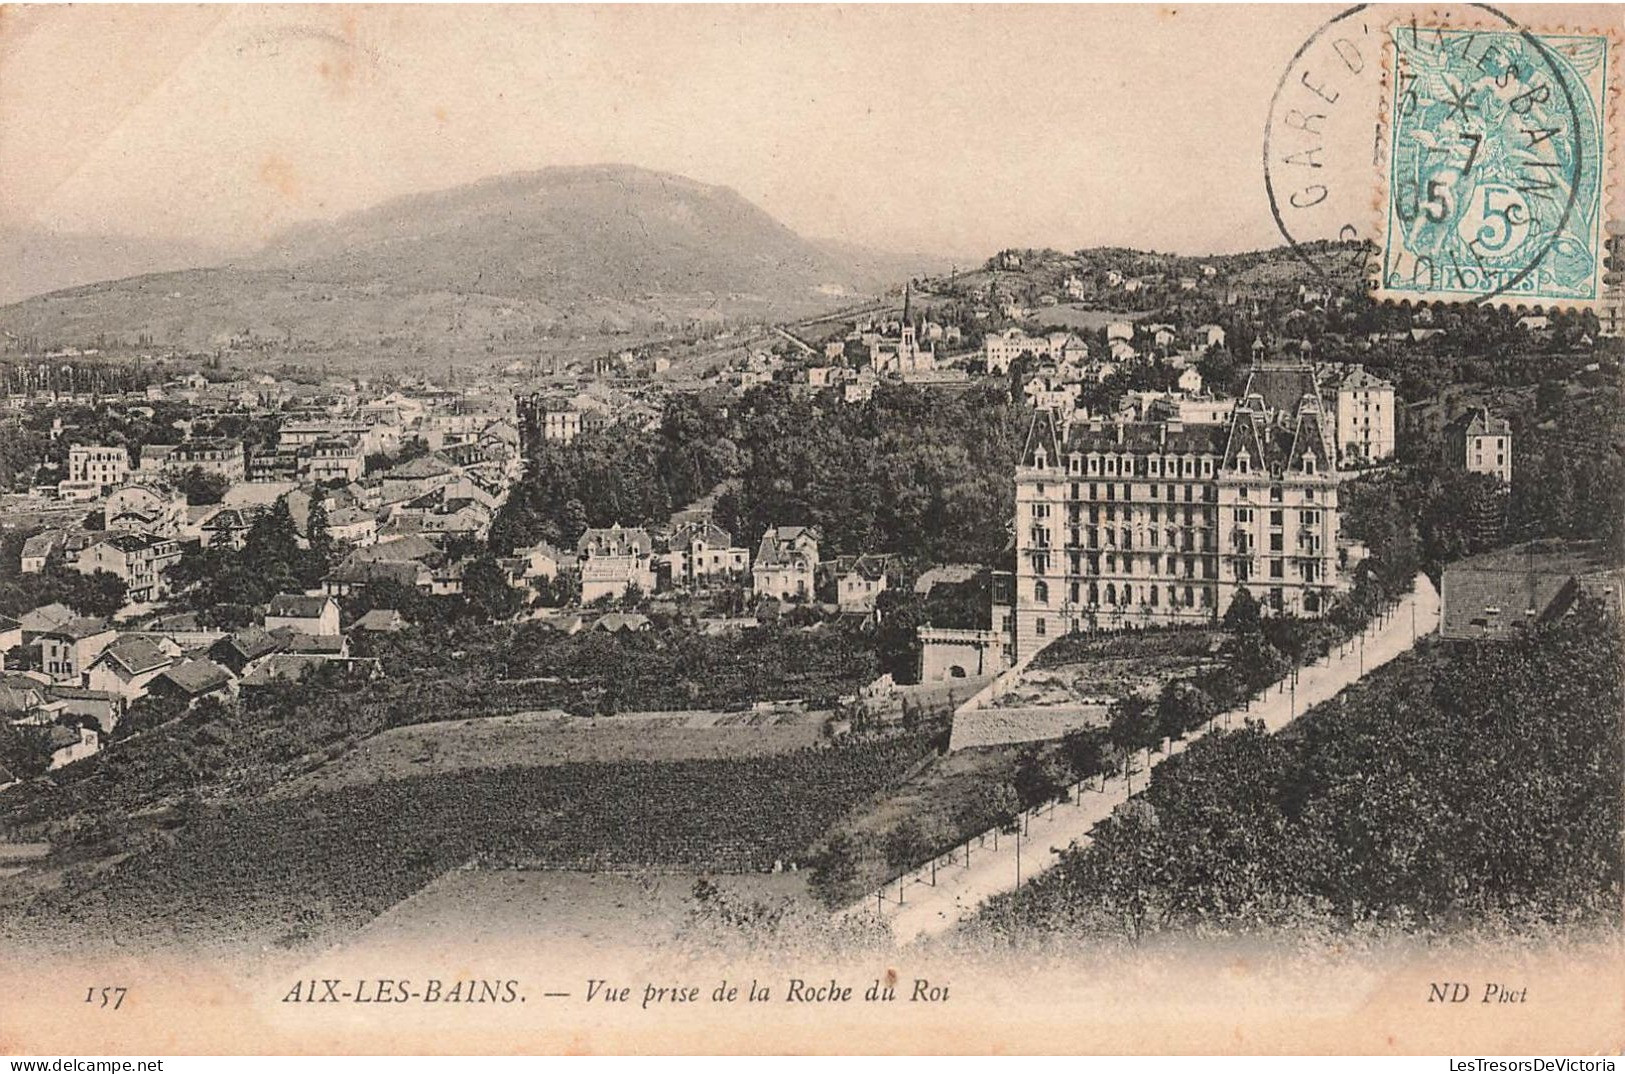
<point x="1495" y="165"/>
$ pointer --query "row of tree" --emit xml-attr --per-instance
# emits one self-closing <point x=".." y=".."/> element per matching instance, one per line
<point x="1414" y="800"/>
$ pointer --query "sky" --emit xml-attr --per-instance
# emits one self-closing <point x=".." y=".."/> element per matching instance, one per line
<point x="945" y="130"/>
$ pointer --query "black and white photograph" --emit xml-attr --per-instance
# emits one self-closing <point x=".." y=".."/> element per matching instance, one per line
<point x="811" y="529"/>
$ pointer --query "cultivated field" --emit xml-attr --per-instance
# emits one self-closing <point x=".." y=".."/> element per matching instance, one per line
<point x="552" y="738"/>
<point x="290" y="873"/>
<point x="950" y="798"/>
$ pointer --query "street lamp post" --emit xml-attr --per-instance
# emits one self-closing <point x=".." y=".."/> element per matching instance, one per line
<point x="1018" y="860"/>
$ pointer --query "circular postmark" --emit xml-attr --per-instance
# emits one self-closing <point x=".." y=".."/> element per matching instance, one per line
<point x="1438" y="152"/>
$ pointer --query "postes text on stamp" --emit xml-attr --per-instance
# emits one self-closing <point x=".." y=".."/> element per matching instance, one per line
<point x="1496" y="166"/>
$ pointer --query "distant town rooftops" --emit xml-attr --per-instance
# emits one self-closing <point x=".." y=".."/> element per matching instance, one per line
<point x="947" y="574"/>
<point x="297" y="606"/>
<point x="1478" y="421"/>
<point x="197" y="677"/>
<point x="380" y="620"/>
<point x="615" y="540"/>
<point x="1506" y="592"/>
<point x="79" y="628"/>
<point x="136" y="655"/>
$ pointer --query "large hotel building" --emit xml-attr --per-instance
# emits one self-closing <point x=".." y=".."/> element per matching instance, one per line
<point x="1125" y="523"/>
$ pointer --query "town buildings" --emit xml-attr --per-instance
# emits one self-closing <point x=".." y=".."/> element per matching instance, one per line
<point x="903" y="353"/>
<point x="786" y="563"/>
<point x="1364" y="410"/>
<point x="858" y="581"/>
<point x="229" y="526"/>
<point x="97" y="466"/>
<point x="1481" y="443"/>
<point x="338" y="458"/>
<point x="140" y="559"/>
<point x="1000" y="349"/>
<point x="1158" y="522"/>
<point x="127" y="666"/>
<point x="1509" y="592"/>
<point x="213" y="455"/>
<point x="67" y="651"/>
<point x="701" y="553"/>
<point x="38" y="549"/>
<point x="614" y="561"/>
<point x="145" y="508"/>
<point x="318" y="616"/>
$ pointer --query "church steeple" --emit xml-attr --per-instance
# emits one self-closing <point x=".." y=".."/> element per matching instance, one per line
<point x="908" y="293"/>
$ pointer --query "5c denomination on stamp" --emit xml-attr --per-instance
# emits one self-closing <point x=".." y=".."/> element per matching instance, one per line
<point x="1496" y="165"/>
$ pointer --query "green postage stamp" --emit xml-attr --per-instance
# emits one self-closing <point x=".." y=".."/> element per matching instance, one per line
<point x="1496" y="150"/>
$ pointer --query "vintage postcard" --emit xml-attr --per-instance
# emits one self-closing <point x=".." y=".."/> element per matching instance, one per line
<point x="830" y="529"/>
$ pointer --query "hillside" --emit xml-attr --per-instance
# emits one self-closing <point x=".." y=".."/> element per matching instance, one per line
<point x="35" y="262"/>
<point x="1414" y="801"/>
<point x="491" y="267"/>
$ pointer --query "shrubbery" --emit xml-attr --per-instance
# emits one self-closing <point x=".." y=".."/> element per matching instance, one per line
<point x="1459" y="784"/>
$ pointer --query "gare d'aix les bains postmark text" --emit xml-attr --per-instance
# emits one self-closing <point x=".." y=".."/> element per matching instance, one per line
<point x="1469" y="150"/>
<point x="1496" y="165"/>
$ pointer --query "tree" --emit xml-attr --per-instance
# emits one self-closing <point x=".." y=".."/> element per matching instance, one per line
<point x="202" y="487"/>
<point x="486" y="588"/>
<point x="1132" y="726"/>
<point x="1182" y="708"/>
<point x="100" y="594"/>
<point x="1254" y="660"/>
<point x="834" y="876"/>
<point x="897" y="640"/>
<point x="573" y="523"/>
<point x="318" y="538"/>
<point x="24" y="752"/>
<point x="1218" y="370"/>
<point x="1243" y="615"/>
<point x="270" y="554"/>
<point x="559" y="591"/>
<point x="1087" y="751"/>
<point x="1040" y="777"/>
<point x="906" y="845"/>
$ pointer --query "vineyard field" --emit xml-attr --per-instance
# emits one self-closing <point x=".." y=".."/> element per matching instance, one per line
<point x="553" y="738"/>
<point x="291" y="872"/>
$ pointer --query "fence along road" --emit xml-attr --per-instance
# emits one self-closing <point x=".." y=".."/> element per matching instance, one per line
<point x="939" y="894"/>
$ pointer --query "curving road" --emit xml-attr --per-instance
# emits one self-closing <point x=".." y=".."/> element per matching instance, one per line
<point x="936" y="897"/>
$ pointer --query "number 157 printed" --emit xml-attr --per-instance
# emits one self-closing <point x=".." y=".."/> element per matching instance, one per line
<point x="111" y="996"/>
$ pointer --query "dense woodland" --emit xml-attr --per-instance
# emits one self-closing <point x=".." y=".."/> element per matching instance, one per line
<point x="1463" y="785"/>
<point x="1568" y="481"/>
<point x="922" y="474"/>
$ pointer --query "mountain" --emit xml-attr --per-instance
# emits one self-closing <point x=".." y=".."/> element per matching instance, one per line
<point x="484" y="267"/>
<point x="35" y="262"/>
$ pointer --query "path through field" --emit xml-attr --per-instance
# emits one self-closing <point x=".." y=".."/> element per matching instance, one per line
<point x="936" y="897"/>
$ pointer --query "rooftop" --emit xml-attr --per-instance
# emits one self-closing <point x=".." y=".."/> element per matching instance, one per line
<point x="197" y="677"/>
<point x="297" y="606"/>
<point x="136" y="655"/>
